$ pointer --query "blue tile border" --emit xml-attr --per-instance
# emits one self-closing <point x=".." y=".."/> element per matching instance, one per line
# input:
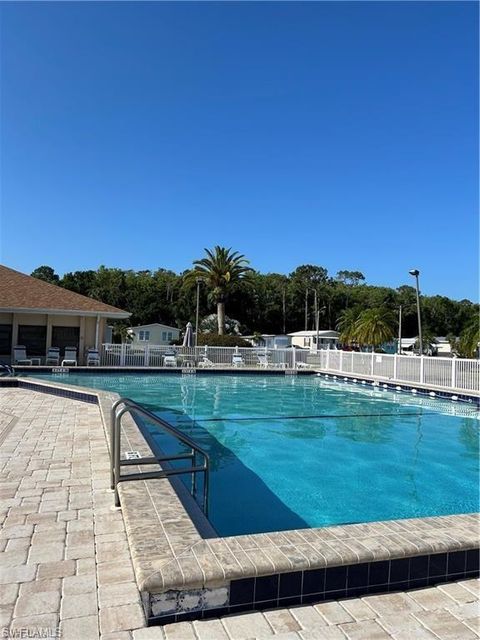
<point x="55" y="391"/>
<point x="384" y="385"/>
<point x="335" y="583"/>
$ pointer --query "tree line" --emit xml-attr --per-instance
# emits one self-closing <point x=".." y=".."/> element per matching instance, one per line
<point x="268" y="302"/>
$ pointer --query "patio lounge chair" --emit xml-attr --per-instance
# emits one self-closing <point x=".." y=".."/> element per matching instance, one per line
<point x="237" y="360"/>
<point x="262" y="360"/>
<point x="205" y="362"/>
<point x="20" y="355"/>
<point x="93" y="358"/>
<point x="70" y="357"/>
<point x="169" y="360"/>
<point x="303" y="365"/>
<point x="53" y="356"/>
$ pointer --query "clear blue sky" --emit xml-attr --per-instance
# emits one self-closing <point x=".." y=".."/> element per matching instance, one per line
<point x="339" y="134"/>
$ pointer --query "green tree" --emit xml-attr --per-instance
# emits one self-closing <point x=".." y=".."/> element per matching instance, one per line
<point x="469" y="339"/>
<point x="221" y="270"/>
<point x="347" y="325"/>
<point x="47" y="274"/>
<point x="375" y="326"/>
<point x="352" y="278"/>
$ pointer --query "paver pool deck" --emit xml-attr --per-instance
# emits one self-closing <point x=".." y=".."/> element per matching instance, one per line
<point x="66" y="563"/>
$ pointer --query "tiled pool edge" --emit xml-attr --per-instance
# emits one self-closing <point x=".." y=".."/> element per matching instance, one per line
<point x="183" y="576"/>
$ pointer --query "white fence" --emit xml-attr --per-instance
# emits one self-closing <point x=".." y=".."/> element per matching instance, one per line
<point x="445" y="373"/>
<point x="127" y="355"/>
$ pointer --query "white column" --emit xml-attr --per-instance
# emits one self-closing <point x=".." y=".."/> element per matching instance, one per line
<point x="395" y="366"/>
<point x="453" y="372"/>
<point x="422" y="376"/>
<point x="97" y="329"/>
<point x="341" y="361"/>
<point x="327" y="366"/>
<point x="372" y="363"/>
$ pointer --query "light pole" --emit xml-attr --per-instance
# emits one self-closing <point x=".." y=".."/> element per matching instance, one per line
<point x="415" y="273"/>
<point x="399" y="346"/>
<point x="198" y="281"/>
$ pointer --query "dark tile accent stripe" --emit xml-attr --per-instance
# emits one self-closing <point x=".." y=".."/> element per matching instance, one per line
<point x="55" y="391"/>
<point x="334" y="583"/>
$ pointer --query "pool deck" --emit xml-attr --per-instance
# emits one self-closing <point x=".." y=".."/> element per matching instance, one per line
<point x="72" y="560"/>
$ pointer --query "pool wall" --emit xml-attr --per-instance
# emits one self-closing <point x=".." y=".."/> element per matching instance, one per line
<point x="183" y="575"/>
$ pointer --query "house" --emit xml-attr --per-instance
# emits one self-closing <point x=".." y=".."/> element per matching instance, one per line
<point x="270" y="340"/>
<point x="40" y="315"/>
<point x="155" y="333"/>
<point x="327" y="339"/>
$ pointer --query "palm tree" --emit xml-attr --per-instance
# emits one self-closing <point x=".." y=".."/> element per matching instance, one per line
<point x="470" y="339"/>
<point x="375" y="326"/>
<point x="221" y="270"/>
<point x="347" y="325"/>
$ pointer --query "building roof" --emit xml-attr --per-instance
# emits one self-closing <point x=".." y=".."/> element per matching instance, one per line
<point x="26" y="294"/>
<point x="324" y="333"/>
<point x="155" y="324"/>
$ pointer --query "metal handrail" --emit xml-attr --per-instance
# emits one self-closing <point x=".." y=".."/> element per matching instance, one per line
<point x="130" y="406"/>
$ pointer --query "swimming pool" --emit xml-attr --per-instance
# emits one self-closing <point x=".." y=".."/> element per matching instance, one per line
<point x="290" y="452"/>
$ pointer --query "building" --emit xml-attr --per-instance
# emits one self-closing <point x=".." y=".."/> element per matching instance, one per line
<point x="155" y="333"/>
<point x="39" y="315"/>
<point x="327" y="339"/>
<point x="269" y="340"/>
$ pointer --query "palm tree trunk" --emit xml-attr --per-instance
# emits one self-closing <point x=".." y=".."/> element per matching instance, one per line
<point x="221" y="318"/>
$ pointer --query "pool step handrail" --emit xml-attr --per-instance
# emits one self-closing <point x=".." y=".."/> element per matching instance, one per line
<point x="125" y="405"/>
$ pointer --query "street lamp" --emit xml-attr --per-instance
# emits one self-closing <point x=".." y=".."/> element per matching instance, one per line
<point x="415" y="273"/>
<point x="199" y="282"/>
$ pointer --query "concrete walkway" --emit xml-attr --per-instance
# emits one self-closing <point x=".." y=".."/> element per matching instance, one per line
<point x="66" y="567"/>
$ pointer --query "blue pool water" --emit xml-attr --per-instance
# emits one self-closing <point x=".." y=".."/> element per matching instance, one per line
<point x="292" y="452"/>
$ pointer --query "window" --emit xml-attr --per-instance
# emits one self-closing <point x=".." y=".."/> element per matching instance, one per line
<point x="65" y="337"/>
<point x="164" y="336"/>
<point x="170" y="336"/>
<point x="144" y="336"/>
<point x="5" y="339"/>
<point x="34" y="338"/>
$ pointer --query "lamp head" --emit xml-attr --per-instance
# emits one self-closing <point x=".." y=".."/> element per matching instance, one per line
<point x="414" y="272"/>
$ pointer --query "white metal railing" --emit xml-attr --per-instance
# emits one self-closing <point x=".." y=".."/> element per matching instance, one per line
<point x="128" y="355"/>
<point x="445" y="373"/>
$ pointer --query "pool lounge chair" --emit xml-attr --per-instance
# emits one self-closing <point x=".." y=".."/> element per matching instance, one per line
<point x="20" y="355"/>
<point x="169" y="360"/>
<point x="262" y="360"/>
<point x="237" y="360"/>
<point x="205" y="362"/>
<point x="93" y="358"/>
<point x="70" y="357"/>
<point x="53" y="357"/>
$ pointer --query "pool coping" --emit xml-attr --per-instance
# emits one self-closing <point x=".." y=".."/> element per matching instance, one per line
<point x="183" y="575"/>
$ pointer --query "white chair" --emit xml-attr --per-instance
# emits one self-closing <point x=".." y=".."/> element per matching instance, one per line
<point x="20" y="355"/>
<point x="169" y="360"/>
<point x="93" y="358"/>
<point x="53" y="356"/>
<point x="237" y="360"/>
<point x="262" y="360"/>
<point x="303" y="365"/>
<point x="205" y="362"/>
<point x="70" y="357"/>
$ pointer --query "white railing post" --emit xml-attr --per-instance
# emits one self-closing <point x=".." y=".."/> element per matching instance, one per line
<point x="146" y="358"/>
<point x="395" y="366"/>
<point x="372" y="363"/>
<point x="122" y="354"/>
<point x="422" y="365"/>
<point x="453" y="373"/>
<point x="341" y="361"/>
<point x="327" y="366"/>
<point x="294" y="359"/>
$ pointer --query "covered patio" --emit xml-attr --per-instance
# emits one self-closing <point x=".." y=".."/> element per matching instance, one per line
<point x="39" y="315"/>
